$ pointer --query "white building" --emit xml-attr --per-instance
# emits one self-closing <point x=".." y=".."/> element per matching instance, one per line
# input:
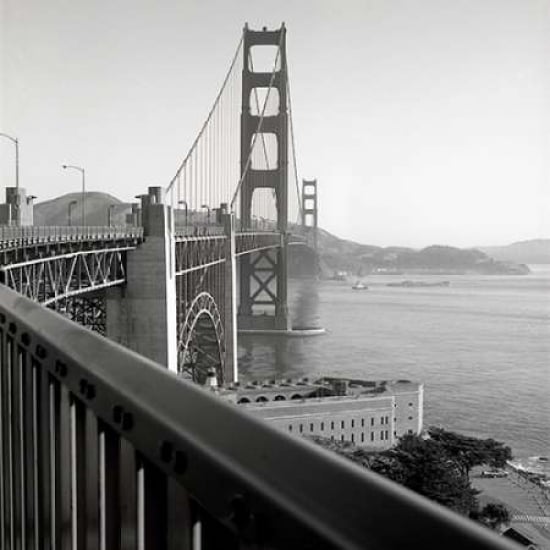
<point x="368" y="413"/>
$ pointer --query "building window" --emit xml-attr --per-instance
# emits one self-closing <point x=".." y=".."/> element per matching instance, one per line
<point x="301" y="428"/>
<point x="372" y="436"/>
<point x="381" y="420"/>
<point x="311" y="427"/>
<point x="410" y="404"/>
<point x="343" y="424"/>
<point x="362" y="422"/>
<point x="387" y="435"/>
<point x="362" y="438"/>
<point x="290" y="427"/>
<point x="410" y="417"/>
<point x="332" y="425"/>
<point x="387" y="419"/>
<point x="352" y="438"/>
<point x="332" y="438"/>
<point x="322" y="426"/>
<point x="372" y="421"/>
<point x="342" y="437"/>
<point x="381" y="435"/>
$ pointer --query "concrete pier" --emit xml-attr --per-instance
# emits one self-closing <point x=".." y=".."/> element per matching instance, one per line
<point x="142" y="315"/>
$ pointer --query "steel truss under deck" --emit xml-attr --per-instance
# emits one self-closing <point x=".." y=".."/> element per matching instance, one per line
<point x="49" y="279"/>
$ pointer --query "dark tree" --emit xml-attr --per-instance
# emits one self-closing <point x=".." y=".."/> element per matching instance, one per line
<point x="494" y="515"/>
<point x="471" y="451"/>
<point x="437" y="467"/>
<point x="423" y="466"/>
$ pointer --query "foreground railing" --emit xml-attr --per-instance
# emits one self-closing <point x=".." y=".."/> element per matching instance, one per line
<point x="101" y="448"/>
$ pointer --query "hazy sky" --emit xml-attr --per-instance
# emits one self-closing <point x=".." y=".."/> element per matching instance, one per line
<point x="425" y="121"/>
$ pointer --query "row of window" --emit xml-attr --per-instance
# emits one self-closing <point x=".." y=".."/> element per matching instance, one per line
<point x="383" y="433"/>
<point x="383" y="420"/>
<point x="384" y="436"/>
<point x="362" y="437"/>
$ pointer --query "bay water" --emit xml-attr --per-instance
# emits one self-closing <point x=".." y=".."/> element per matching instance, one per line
<point x="481" y="346"/>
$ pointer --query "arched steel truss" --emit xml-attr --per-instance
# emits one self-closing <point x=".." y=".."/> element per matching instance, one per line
<point x="201" y="340"/>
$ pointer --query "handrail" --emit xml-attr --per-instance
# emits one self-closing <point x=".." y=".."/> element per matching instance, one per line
<point x="242" y="475"/>
<point x="13" y="234"/>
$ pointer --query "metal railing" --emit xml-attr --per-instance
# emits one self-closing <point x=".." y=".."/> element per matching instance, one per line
<point x="102" y="448"/>
<point x="16" y="236"/>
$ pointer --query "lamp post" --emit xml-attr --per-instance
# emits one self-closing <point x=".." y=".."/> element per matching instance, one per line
<point x="208" y="215"/>
<point x="186" y="211"/>
<point x="110" y="214"/>
<point x="15" y="141"/>
<point x="71" y="204"/>
<point x="83" y="172"/>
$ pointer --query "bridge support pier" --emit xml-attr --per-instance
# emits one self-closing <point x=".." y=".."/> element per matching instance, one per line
<point x="142" y="315"/>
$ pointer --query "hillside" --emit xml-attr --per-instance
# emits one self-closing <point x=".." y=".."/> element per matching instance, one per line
<point x="335" y="254"/>
<point x="55" y="211"/>
<point x="536" y="251"/>
<point x="358" y="259"/>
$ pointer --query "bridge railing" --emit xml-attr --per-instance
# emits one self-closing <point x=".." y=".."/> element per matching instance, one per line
<point x="11" y="235"/>
<point x="102" y="448"/>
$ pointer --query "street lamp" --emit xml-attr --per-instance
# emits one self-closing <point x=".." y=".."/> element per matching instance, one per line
<point x="16" y="143"/>
<point x="71" y="204"/>
<point x="186" y="211"/>
<point x="208" y="208"/>
<point x="83" y="172"/>
<point x="110" y="214"/>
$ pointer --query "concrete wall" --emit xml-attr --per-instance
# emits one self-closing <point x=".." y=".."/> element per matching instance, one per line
<point x="142" y="315"/>
<point x="366" y="422"/>
<point x="18" y="208"/>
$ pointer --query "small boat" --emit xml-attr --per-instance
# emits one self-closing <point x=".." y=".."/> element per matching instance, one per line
<point x="359" y="286"/>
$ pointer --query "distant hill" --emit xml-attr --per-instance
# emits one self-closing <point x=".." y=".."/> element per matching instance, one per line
<point x="335" y="254"/>
<point x="339" y="255"/>
<point x="536" y="251"/>
<point x="56" y="211"/>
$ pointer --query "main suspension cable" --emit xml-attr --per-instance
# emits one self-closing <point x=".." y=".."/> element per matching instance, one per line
<point x="293" y="143"/>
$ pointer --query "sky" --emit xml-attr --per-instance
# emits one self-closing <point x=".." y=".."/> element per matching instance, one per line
<point x="424" y="121"/>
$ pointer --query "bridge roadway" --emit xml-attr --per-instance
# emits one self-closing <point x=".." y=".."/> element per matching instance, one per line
<point x="49" y="264"/>
<point x="102" y="448"/>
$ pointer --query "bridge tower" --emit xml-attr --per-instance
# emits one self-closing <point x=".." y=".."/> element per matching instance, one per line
<point x="309" y="208"/>
<point x="263" y="276"/>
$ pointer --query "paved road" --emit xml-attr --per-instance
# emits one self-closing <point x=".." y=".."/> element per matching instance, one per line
<point x="528" y="503"/>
